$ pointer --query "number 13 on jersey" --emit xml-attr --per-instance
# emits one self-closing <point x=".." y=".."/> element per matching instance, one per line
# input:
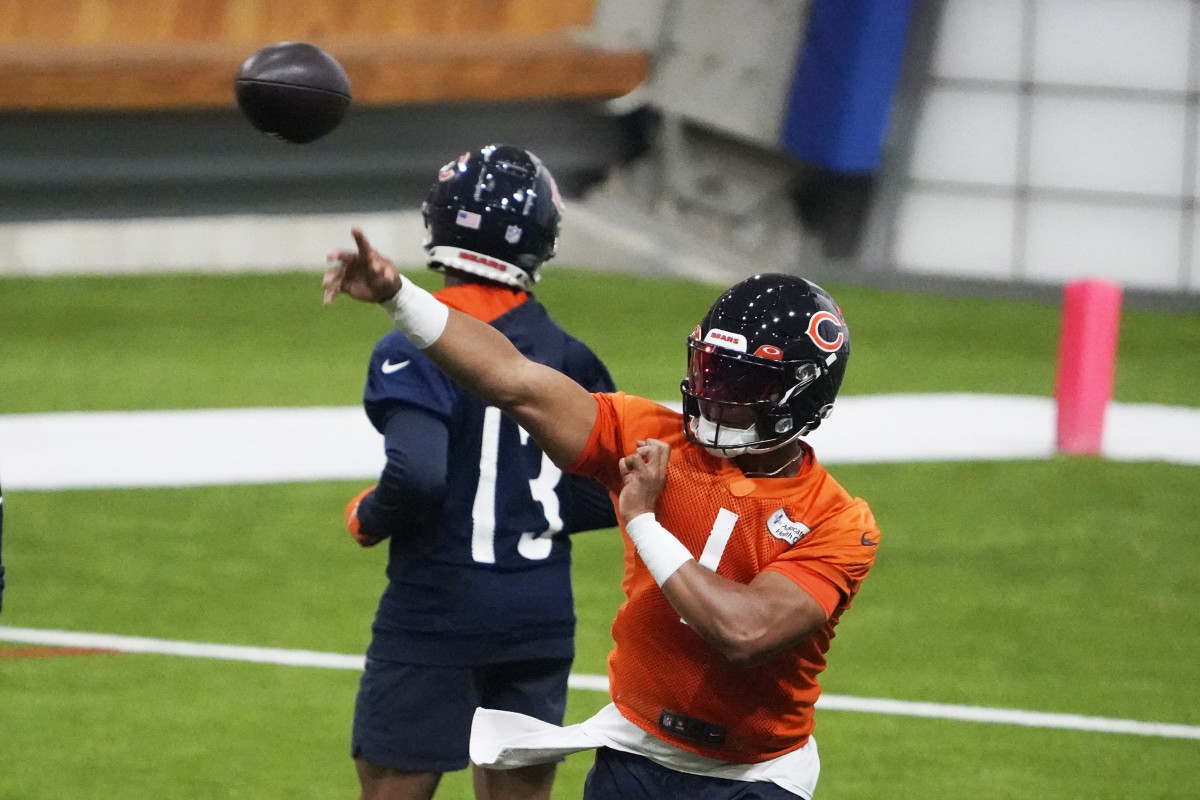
<point x="533" y="545"/>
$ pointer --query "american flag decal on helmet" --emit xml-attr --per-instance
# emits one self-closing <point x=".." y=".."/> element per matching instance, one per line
<point x="468" y="219"/>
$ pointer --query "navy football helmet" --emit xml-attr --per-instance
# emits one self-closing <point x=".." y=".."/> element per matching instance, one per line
<point x="764" y="365"/>
<point x="493" y="213"/>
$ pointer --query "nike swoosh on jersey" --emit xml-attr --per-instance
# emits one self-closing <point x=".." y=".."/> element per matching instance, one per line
<point x="868" y="542"/>
<point x="388" y="367"/>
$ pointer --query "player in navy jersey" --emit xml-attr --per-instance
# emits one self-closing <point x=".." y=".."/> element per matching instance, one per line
<point x="478" y="609"/>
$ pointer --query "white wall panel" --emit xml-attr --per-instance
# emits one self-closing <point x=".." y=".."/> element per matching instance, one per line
<point x="730" y="65"/>
<point x="980" y="39"/>
<point x="1107" y="145"/>
<point x="1140" y="44"/>
<point x="1193" y="186"/>
<point x="1191" y="278"/>
<point x="628" y="23"/>
<point x="1138" y="247"/>
<point x="1104" y="109"/>
<point x="967" y="136"/>
<point x="950" y="235"/>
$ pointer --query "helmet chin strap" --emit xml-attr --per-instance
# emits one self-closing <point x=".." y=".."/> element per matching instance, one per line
<point x="799" y="455"/>
<point x="784" y="443"/>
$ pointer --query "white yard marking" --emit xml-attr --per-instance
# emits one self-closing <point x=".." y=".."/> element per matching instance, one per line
<point x="136" y="449"/>
<point x="599" y="683"/>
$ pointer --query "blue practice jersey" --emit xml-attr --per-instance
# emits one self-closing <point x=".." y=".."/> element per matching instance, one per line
<point x="494" y="584"/>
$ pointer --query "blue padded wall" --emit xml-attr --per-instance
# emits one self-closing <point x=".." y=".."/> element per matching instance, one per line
<point x="841" y="98"/>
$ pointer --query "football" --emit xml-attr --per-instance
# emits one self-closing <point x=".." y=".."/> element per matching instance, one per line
<point x="293" y="90"/>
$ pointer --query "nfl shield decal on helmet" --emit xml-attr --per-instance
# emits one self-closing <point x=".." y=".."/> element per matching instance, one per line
<point x="513" y="234"/>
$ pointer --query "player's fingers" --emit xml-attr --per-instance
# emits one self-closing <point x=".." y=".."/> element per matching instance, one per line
<point x="332" y="283"/>
<point x="331" y="287"/>
<point x="623" y="466"/>
<point x="364" y="247"/>
<point x="655" y="452"/>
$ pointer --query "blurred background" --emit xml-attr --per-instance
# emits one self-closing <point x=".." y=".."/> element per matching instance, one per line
<point x="970" y="145"/>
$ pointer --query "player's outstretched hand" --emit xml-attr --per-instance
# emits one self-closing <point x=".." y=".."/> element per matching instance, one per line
<point x="364" y="274"/>
<point x="644" y="474"/>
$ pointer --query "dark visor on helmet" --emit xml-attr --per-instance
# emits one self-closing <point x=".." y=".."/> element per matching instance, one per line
<point x="715" y="373"/>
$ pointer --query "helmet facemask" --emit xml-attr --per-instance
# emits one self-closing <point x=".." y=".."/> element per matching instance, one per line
<point x="735" y="403"/>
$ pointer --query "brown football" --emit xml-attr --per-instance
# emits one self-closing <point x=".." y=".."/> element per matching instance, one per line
<point x="293" y="90"/>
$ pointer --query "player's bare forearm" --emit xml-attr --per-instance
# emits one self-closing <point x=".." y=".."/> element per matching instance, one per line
<point x="556" y="411"/>
<point x="746" y="623"/>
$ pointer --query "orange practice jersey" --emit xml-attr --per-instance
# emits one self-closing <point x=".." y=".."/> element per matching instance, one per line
<point x="806" y="528"/>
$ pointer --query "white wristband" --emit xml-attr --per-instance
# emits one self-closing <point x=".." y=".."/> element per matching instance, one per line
<point x="417" y="314"/>
<point x="661" y="552"/>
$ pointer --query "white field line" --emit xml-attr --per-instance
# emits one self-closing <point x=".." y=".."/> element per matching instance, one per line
<point x="130" y="449"/>
<point x="599" y="683"/>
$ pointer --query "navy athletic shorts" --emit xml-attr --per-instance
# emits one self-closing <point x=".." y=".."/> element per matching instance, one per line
<point x="417" y="718"/>
<point x="624" y="776"/>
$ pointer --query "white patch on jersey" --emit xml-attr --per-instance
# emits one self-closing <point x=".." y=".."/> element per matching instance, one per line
<point x="468" y="219"/>
<point x="783" y="528"/>
<point x="512" y="234"/>
<point x="718" y="538"/>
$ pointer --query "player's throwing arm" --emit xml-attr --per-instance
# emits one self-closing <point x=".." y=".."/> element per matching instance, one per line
<point x="556" y="411"/>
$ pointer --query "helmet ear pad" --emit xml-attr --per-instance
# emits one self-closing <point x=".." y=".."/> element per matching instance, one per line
<point x="775" y="421"/>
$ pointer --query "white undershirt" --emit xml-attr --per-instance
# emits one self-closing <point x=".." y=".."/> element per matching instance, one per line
<point x="505" y="740"/>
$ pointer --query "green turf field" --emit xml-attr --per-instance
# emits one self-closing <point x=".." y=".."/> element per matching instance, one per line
<point x="1070" y="585"/>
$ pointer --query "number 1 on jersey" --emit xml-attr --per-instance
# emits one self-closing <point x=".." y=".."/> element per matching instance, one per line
<point x="718" y="539"/>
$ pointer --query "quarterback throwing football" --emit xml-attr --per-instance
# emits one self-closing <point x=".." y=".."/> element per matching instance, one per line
<point x="742" y="552"/>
